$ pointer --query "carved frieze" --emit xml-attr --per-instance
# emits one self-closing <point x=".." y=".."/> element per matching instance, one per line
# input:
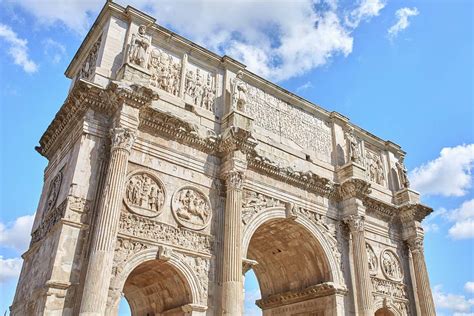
<point x="89" y="65"/>
<point x="389" y="288"/>
<point x="53" y="193"/>
<point x="390" y="264"/>
<point x="48" y="222"/>
<point x="165" y="71"/>
<point x="142" y="227"/>
<point x="191" y="208"/>
<point x="144" y="194"/>
<point x="290" y="122"/>
<point x="372" y="259"/>
<point x="253" y="203"/>
<point x="200" y="87"/>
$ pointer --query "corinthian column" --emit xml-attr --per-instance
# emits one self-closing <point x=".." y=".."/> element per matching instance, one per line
<point x="363" y="284"/>
<point x="105" y="231"/>
<point x="423" y="289"/>
<point x="232" y="285"/>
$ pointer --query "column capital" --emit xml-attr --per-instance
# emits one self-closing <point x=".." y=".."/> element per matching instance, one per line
<point x="234" y="179"/>
<point x="415" y="243"/>
<point x="122" y="138"/>
<point x="354" y="188"/>
<point x="356" y="223"/>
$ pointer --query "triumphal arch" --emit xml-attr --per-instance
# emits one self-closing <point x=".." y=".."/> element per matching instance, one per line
<point x="173" y="171"/>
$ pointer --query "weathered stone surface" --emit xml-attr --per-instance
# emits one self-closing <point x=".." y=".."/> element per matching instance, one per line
<point x="173" y="171"/>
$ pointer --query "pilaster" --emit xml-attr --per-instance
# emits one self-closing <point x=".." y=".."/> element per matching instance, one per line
<point x="352" y="192"/>
<point x="413" y="235"/>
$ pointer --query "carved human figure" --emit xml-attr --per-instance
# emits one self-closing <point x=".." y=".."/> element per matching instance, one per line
<point x="239" y="93"/>
<point x="372" y="259"/>
<point x="208" y="94"/>
<point x="353" y="146"/>
<point x="402" y="173"/>
<point x="191" y="208"/>
<point x="391" y="266"/>
<point x="53" y="193"/>
<point x="380" y="178"/>
<point x="144" y="195"/>
<point x="139" y="47"/>
<point x="189" y="83"/>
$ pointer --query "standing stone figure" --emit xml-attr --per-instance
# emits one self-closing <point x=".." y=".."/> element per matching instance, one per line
<point x="239" y="93"/>
<point x="402" y="174"/>
<point x="139" y="47"/>
<point x="354" y="148"/>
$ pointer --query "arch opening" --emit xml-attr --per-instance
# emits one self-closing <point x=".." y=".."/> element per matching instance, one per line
<point x="292" y="268"/>
<point x="384" y="312"/>
<point x="155" y="287"/>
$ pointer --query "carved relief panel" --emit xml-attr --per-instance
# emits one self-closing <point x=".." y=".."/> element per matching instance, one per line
<point x="372" y="259"/>
<point x="200" y="87"/>
<point x="191" y="208"/>
<point x="294" y="124"/>
<point x="144" y="194"/>
<point x="253" y="203"/>
<point x="53" y="193"/>
<point x="375" y="166"/>
<point x="89" y="65"/>
<point x="391" y="266"/>
<point x="165" y="68"/>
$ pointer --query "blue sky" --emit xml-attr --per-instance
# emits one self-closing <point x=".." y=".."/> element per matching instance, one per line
<point x="402" y="70"/>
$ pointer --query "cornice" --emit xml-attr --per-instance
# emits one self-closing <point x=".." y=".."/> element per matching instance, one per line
<point x="303" y="179"/>
<point x="414" y="212"/>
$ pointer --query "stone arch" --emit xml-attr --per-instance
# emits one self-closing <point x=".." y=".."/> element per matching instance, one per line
<point x="196" y="298"/>
<point x="386" y="308"/>
<point x="274" y="213"/>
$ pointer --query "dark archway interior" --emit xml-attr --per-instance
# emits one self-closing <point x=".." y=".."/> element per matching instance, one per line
<point x="383" y="312"/>
<point x="154" y="287"/>
<point x="289" y="258"/>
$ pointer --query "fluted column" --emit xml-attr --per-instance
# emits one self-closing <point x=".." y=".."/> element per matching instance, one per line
<point x="99" y="269"/>
<point x="423" y="289"/>
<point x="363" y="284"/>
<point x="232" y="284"/>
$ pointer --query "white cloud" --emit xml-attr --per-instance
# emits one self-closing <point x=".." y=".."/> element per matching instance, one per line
<point x="18" y="49"/>
<point x="463" y="217"/>
<point x="402" y="23"/>
<point x="469" y="287"/>
<point x="249" y="302"/>
<point x="366" y="10"/>
<point x="447" y="175"/>
<point x="9" y="268"/>
<point x="304" y="86"/>
<point x="277" y="40"/>
<point x="453" y="302"/>
<point x="53" y="50"/>
<point x="16" y="235"/>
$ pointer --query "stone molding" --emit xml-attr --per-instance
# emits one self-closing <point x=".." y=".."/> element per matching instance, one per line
<point x="291" y="297"/>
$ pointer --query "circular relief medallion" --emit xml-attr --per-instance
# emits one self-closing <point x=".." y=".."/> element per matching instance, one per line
<point x="390" y="264"/>
<point x="191" y="208"/>
<point x="372" y="259"/>
<point x="144" y="194"/>
<point x="53" y="192"/>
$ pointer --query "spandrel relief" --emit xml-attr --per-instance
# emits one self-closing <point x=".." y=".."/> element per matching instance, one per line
<point x="144" y="195"/>
<point x="191" y="208"/>
<point x="200" y="87"/>
<point x="165" y="70"/>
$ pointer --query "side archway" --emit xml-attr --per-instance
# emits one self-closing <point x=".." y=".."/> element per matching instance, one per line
<point x="153" y="284"/>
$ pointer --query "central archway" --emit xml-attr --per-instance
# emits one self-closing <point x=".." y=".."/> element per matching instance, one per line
<point x="156" y="288"/>
<point x="295" y="270"/>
